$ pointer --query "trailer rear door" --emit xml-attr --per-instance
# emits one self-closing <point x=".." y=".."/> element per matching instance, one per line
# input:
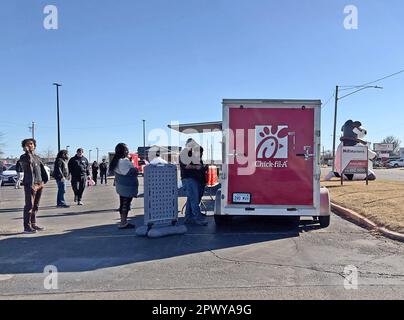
<point x="271" y="153"/>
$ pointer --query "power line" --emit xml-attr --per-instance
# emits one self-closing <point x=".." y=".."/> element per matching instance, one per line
<point x="8" y="123"/>
<point x="368" y="83"/>
<point x="328" y="101"/>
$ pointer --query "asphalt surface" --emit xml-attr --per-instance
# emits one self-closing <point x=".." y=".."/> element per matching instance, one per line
<point x="252" y="258"/>
<point x="381" y="174"/>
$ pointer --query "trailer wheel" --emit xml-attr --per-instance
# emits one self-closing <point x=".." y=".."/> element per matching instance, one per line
<point x="324" y="221"/>
<point x="222" y="220"/>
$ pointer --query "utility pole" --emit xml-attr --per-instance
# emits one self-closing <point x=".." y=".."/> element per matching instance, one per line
<point x="335" y="127"/>
<point x="32" y="128"/>
<point x="58" y="117"/>
<point x="207" y="151"/>
<point x="211" y="153"/>
<point x="144" y="139"/>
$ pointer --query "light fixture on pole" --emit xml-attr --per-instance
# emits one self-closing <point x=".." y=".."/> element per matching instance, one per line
<point x="336" y="111"/>
<point x="67" y="149"/>
<point x="89" y="155"/>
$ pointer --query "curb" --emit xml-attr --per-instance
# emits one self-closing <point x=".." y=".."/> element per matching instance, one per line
<point x="365" y="222"/>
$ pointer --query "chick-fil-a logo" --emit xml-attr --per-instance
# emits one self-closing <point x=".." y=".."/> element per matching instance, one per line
<point x="271" y="142"/>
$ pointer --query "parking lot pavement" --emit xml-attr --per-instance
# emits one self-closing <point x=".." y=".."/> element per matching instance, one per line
<point x="252" y="258"/>
<point x="381" y="174"/>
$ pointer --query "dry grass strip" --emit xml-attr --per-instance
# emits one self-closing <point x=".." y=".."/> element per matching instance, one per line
<point x="381" y="202"/>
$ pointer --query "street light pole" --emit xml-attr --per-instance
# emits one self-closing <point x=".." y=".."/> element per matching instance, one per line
<point x="67" y="149"/>
<point x="58" y="116"/>
<point x="89" y="155"/>
<point x="97" y="153"/>
<point x="335" y="113"/>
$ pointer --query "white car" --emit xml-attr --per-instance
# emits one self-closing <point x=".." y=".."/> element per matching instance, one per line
<point x="10" y="175"/>
<point x="396" y="163"/>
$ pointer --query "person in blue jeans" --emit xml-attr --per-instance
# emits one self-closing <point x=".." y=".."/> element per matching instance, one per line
<point x="193" y="180"/>
<point x="61" y="175"/>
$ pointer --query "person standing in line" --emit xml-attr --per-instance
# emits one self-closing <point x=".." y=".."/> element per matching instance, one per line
<point x="94" y="169"/>
<point x="103" y="170"/>
<point x="194" y="181"/>
<point x="126" y="182"/>
<point x="20" y="175"/>
<point x="158" y="159"/>
<point x="35" y="177"/>
<point x="61" y="175"/>
<point x="79" y="171"/>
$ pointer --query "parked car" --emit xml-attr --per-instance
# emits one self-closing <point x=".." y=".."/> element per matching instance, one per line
<point x="51" y="166"/>
<point x="396" y="163"/>
<point x="9" y="176"/>
<point x="6" y="166"/>
<point x="378" y="164"/>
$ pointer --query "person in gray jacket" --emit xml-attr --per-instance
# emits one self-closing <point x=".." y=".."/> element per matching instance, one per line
<point x="126" y="182"/>
<point x="34" y="180"/>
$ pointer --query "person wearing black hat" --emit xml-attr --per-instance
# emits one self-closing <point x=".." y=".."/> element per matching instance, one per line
<point x="193" y="180"/>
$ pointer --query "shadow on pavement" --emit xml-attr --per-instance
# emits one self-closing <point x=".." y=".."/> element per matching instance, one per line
<point x="74" y="213"/>
<point x="8" y="210"/>
<point x="105" y="246"/>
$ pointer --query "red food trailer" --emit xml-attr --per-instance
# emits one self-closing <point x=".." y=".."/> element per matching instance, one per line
<point x="271" y="160"/>
<point x="138" y="163"/>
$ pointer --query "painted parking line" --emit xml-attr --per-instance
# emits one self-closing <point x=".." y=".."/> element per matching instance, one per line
<point x="5" y="277"/>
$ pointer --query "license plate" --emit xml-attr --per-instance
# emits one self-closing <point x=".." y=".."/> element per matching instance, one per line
<point x="242" y="198"/>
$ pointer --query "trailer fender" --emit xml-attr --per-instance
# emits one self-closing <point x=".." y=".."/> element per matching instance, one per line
<point x="218" y="202"/>
<point x="325" y="202"/>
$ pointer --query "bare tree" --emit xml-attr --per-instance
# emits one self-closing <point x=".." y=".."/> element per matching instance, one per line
<point x="48" y="154"/>
<point x="396" y="142"/>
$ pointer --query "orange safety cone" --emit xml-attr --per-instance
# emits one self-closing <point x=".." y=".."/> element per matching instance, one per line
<point x="215" y="178"/>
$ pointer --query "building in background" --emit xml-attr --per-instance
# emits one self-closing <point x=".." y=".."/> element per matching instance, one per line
<point x="169" y="153"/>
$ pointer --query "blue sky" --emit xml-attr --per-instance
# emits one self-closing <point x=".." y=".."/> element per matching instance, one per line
<point x="127" y="60"/>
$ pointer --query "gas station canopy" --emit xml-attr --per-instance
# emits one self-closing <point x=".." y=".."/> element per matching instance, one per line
<point x="203" y="127"/>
